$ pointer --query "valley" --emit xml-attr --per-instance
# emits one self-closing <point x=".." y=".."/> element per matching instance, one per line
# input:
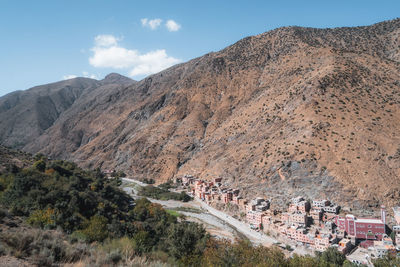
<point x="281" y="149"/>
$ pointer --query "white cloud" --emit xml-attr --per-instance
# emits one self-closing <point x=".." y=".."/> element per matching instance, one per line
<point x="67" y="77"/>
<point x="172" y="25"/>
<point x="153" y="62"/>
<point x="84" y="74"/>
<point x="117" y="57"/>
<point x="87" y="75"/>
<point x="152" y="23"/>
<point x="105" y="40"/>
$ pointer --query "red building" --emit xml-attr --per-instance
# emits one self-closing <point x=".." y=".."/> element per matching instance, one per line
<point x="368" y="229"/>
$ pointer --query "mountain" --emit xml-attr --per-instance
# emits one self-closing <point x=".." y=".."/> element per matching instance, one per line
<point x="293" y="111"/>
<point x="25" y="115"/>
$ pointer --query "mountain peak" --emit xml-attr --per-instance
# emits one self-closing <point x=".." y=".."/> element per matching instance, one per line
<point x="117" y="78"/>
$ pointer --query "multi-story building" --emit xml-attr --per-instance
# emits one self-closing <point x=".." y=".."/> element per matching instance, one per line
<point x="227" y="197"/>
<point x="285" y="217"/>
<point x="316" y="216"/>
<point x="292" y="208"/>
<point x="298" y="199"/>
<point x="187" y="179"/>
<point x="321" y="242"/>
<point x="320" y="203"/>
<point x="360" y="228"/>
<point x="303" y="206"/>
<point x="263" y="205"/>
<point x="303" y="236"/>
<point x="344" y="246"/>
<point x="291" y="232"/>
<point x="383" y="247"/>
<point x="298" y="218"/>
<point x="327" y="217"/>
<point x="242" y="204"/>
<point x="208" y="197"/>
<point x="266" y="221"/>
<point x="258" y="204"/>
<point x="236" y="199"/>
<point x="254" y="218"/>
<point x="331" y="209"/>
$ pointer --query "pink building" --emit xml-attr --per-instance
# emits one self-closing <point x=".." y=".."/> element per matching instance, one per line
<point x="227" y="197"/>
<point x="344" y="246"/>
<point x="292" y="208"/>
<point x="321" y="242"/>
<point x="304" y="237"/>
<point x="266" y="221"/>
<point x="285" y="217"/>
<point x="302" y="206"/>
<point x="320" y="203"/>
<point x="298" y="218"/>
<point x="254" y="218"/>
<point x="316" y="215"/>
<point x="236" y="199"/>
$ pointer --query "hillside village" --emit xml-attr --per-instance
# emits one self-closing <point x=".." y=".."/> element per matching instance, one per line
<point x="314" y="224"/>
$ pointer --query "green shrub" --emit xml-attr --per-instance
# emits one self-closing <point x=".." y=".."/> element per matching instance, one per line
<point x="186" y="239"/>
<point x="163" y="194"/>
<point x="96" y="229"/>
<point x="142" y="241"/>
<point x="42" y="218"/>
<point x="40" y="165"/>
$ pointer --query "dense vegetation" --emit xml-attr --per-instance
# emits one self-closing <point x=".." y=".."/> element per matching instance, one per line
<point x="162" y="193"/>
<point x="73" y="215"/>
<point x="90" y="207"/>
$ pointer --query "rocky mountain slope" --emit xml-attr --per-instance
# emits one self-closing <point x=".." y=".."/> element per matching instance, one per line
<point x="287" y="112"/>
<point x="25" y="115"/>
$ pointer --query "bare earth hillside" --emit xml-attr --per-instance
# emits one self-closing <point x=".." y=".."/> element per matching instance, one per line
<point x="293" y="111"/>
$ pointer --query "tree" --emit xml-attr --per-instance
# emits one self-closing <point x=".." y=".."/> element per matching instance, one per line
<point x="96" y="229"/>
<point x="186" y="239"/>
<point x="388" y="260"/>
<point x="332" y="255"/>
<point x="40" y="165"/>
<point x="184" y="197"/>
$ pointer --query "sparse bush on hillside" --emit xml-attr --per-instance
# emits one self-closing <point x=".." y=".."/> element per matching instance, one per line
<point x="43" y="247"/>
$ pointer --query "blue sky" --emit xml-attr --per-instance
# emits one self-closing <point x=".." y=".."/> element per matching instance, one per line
<point x="46" y="41"/>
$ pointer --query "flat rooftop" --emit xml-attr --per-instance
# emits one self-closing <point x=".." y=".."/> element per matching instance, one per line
<point x="359" y="255"/>
<point x="369" y="220"/>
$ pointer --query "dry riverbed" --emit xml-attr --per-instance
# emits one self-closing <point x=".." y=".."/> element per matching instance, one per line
<point x="216" y="222"/>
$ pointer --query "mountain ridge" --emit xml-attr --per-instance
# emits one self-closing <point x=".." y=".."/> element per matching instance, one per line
<point x="290" y="111"/>
<point x="40" y="107"/>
